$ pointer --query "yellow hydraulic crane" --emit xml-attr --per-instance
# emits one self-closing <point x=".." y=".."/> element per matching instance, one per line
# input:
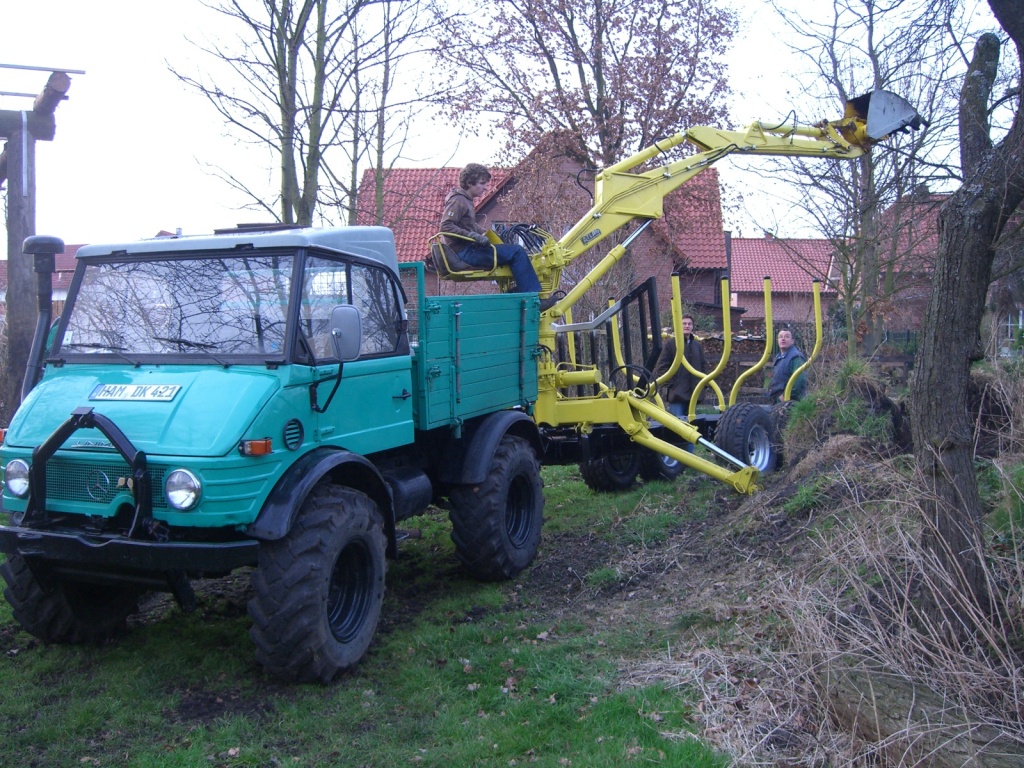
<point x="623" y="194"/>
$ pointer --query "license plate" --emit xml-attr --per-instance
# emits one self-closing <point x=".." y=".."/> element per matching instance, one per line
<point x="159" y="393"/>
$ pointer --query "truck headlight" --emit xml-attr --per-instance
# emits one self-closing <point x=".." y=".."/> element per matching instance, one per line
<point x="16" y="478"/>
<point x="182" y="489"/>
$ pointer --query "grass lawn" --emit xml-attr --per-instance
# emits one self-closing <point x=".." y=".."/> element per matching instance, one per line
<point x="461" y="673"/>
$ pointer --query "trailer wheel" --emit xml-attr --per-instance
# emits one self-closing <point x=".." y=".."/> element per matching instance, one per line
<point x="61" y="610"/>
<point x="317" y="592"/>
<point x="496" y="524"/>
<point x="745" y="431"/>
<point x="614" y="472"/>
<point x="658" y="466"/>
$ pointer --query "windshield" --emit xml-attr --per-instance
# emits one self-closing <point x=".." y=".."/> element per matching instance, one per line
<point x="201" y="307"/>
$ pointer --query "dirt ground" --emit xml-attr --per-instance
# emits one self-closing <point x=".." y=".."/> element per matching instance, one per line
<point x="719" y="566"/>
<point x="708" y="574"/>
<point x="701" y="566"/>
<point x="717" y="571"/>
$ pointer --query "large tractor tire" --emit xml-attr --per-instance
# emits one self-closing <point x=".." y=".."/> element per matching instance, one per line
<point x="745" y="431"/>
<point x="61" y="610"/>
<point x="658" y="466"/>
<point x="615" y="472"/>
<point x="496" y="524"/>
<point x="317" y="592"/>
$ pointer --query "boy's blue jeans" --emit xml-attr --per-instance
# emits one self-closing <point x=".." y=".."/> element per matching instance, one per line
<point x="514" y="256"/>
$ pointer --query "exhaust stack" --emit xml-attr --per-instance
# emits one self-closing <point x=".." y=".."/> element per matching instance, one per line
<point x="44" y="248"/>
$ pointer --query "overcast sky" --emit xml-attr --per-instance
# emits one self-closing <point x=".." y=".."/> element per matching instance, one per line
<point x="133" y="145"/>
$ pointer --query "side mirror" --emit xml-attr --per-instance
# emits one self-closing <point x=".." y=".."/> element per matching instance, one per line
<point x="346" y="332"/>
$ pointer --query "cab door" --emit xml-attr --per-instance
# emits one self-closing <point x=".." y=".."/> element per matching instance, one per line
<point x="372" y="408"/>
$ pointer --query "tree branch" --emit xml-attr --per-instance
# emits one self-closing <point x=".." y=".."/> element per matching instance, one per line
<point x="975" y="130"/>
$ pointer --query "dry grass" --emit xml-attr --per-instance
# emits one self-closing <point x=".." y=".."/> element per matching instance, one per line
<point x="849" y="671"/>
<point x="850" y="623"/>
<point x="996" y="402"/>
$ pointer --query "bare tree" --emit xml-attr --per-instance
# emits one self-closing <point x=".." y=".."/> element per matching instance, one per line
<point x="577" y="84"/>
<point x="971" y="225"/>
<point x="853" y="47"/>
<point x="300" y="81"/>
<point x="390" y="44"/>
<point x="611" y="75"/>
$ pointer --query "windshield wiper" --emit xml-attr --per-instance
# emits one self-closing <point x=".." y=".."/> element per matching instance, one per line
<point x="94" y="345"/>
<point x="202" y="346"/>
<point x="109" y="347"/>
<point x="186" y="342"/>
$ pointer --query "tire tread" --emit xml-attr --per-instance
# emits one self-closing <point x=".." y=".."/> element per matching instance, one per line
<point x="482" y="542"/>
<point x="289" y="626"/>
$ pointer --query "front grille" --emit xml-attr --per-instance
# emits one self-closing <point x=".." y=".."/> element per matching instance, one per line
<point x="97" y="483"/>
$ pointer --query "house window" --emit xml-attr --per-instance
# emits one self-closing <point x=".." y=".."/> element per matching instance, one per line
<point x="716" y="292"/>
<point x="1009" y="324"/>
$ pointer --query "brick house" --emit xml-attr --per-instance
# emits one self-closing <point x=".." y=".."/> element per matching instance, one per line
<point x="410" y="205"/>
<point x="913" y="222"/>
<point x="907" y="258"/>
<point x="64" y="268"/>
<point x="905" y="254"/>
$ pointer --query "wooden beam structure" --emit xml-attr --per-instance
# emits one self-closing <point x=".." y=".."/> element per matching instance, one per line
<point x="40" y="121"/>
<point x="18" y="168"/>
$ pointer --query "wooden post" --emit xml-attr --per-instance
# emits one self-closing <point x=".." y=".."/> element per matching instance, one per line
<point x="18" y="161"/>
<point x="21" y="222"/>
<point x="40" y="120"/>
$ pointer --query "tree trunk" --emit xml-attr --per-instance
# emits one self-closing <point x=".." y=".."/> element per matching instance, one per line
<point x="23" y="129"/>
<point x="911" y="724"/>
<point x="943" y="436"/>
<point x="868" y="232"/>
<point x="21" y="223"/>
<point x="969" y="225"/>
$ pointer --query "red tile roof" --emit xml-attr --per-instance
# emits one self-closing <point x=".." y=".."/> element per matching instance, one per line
<point x="792" y="264"/>
<point x="414" y="197"/>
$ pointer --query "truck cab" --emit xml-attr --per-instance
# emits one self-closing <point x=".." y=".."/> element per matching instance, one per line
<point x="208" y="355"/>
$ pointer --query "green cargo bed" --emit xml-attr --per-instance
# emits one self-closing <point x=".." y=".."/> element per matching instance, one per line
<point x="473" y="355"/>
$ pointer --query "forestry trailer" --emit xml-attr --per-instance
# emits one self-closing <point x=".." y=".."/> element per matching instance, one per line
<point x="264" y="398"/>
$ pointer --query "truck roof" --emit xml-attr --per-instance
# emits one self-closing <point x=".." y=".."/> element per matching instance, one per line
<point x="376" y="243"/>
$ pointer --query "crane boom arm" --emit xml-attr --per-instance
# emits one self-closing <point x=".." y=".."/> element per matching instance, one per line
<point x="622" y="195"/>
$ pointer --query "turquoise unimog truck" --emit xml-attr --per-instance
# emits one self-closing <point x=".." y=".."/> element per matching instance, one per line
<point x="252" y="398"/>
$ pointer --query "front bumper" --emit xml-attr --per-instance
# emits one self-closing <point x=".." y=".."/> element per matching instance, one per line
<point x="116" y="553"/>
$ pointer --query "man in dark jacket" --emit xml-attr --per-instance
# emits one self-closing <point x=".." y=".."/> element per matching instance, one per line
<point x="459" y="218"/>
<point x="679" y="389"/>
<point x="788" y="360"/>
